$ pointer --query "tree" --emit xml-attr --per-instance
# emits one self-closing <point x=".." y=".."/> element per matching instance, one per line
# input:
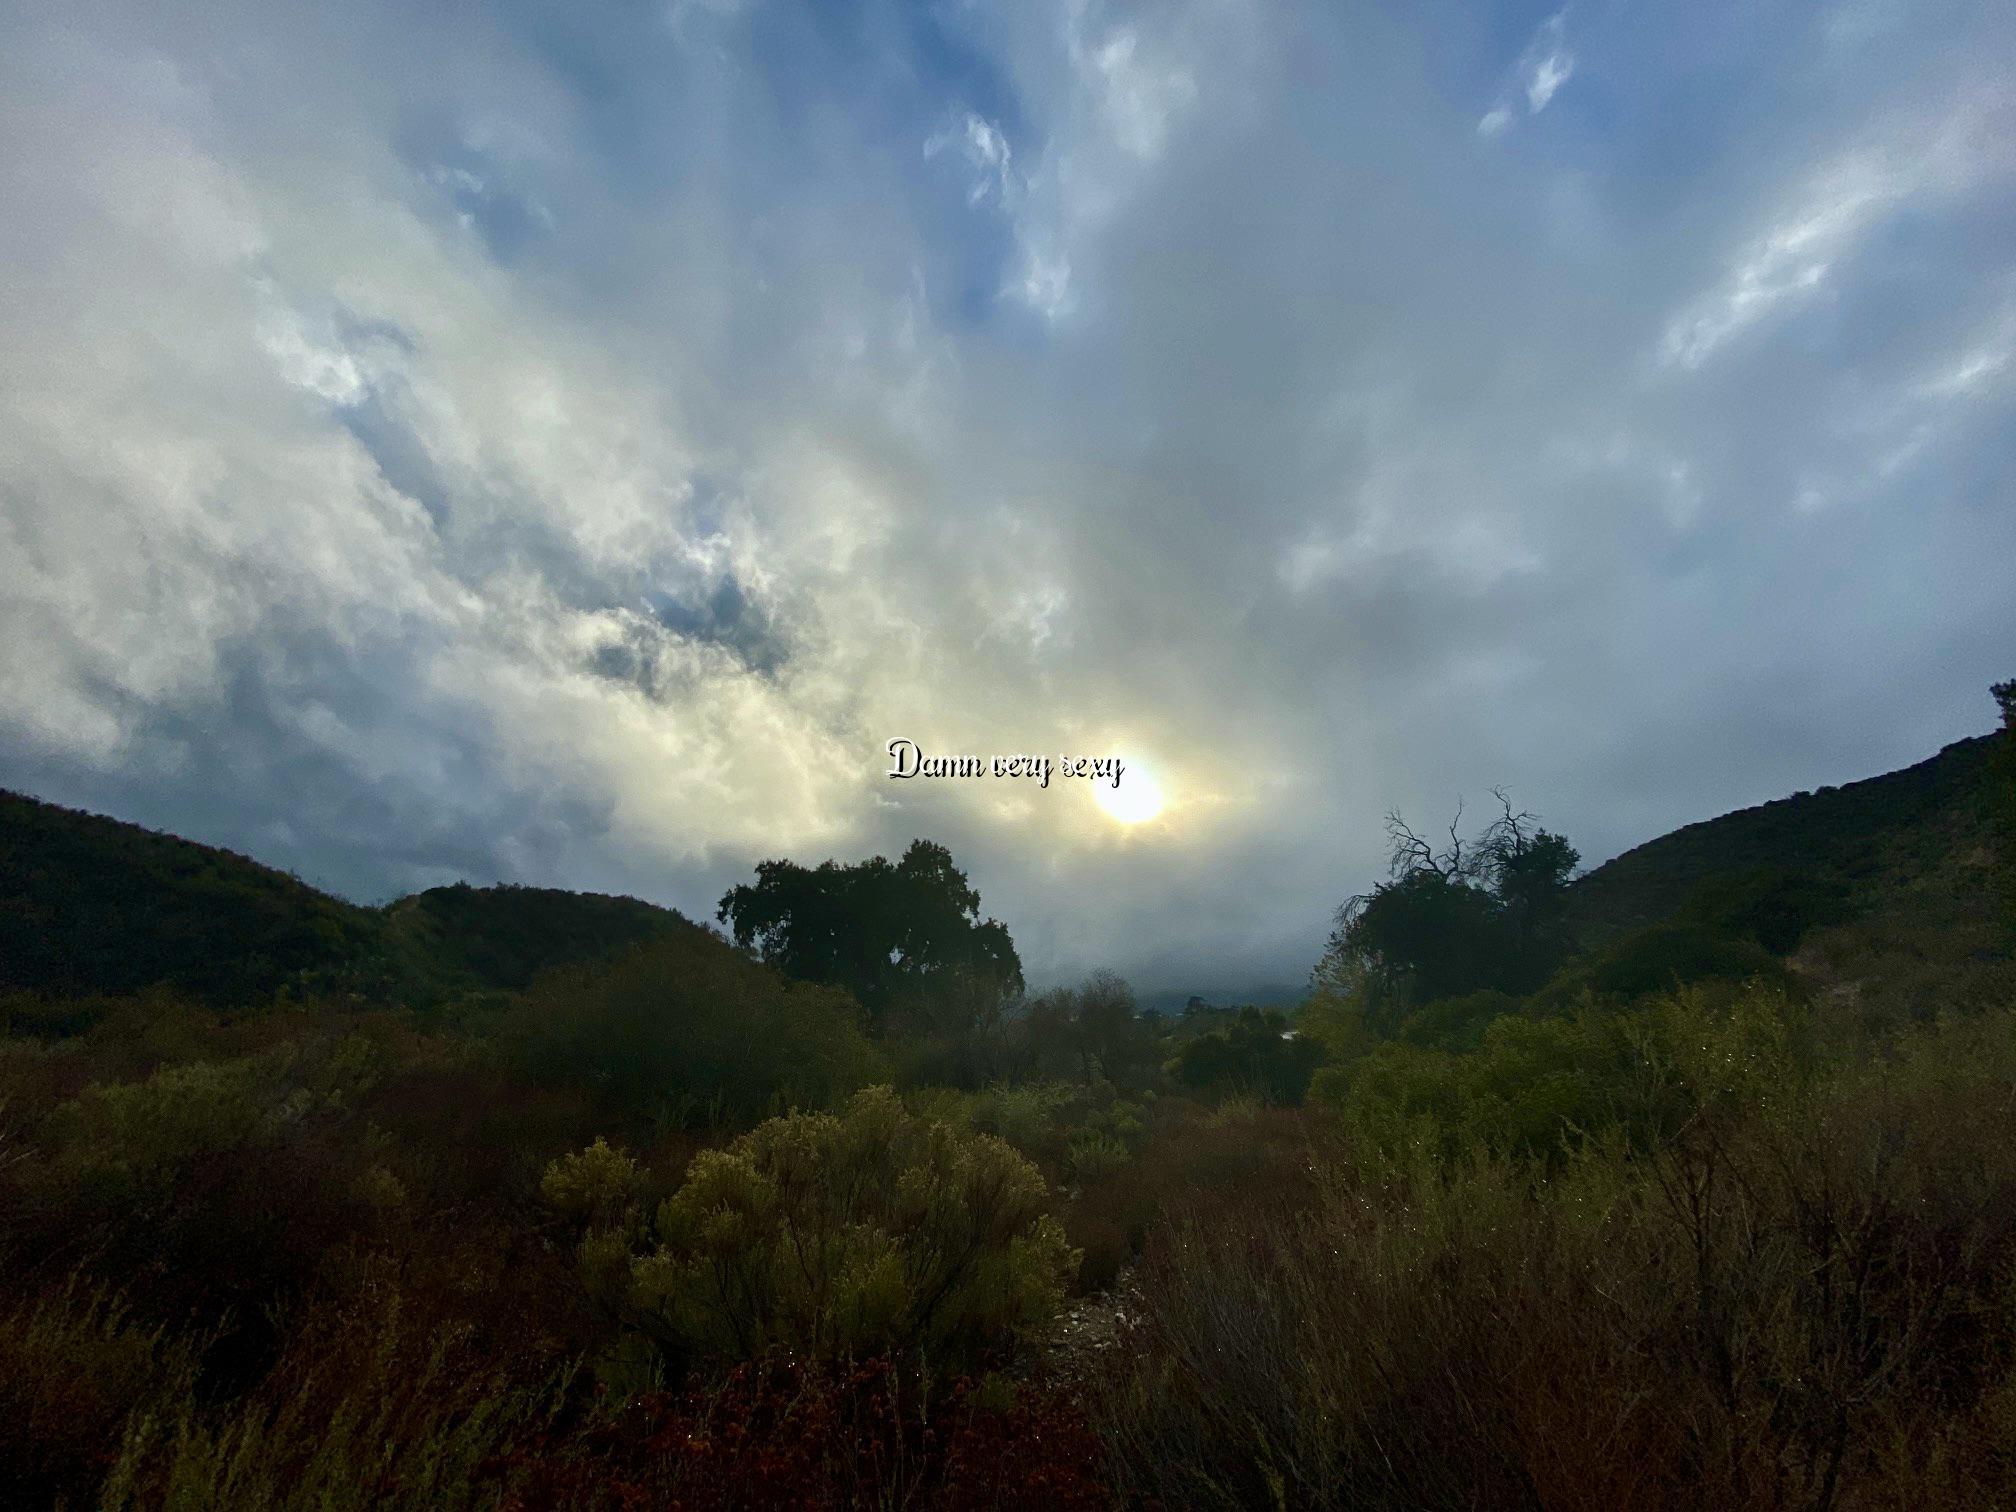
<point x="1092" y="1032"/>
<point x="908" y="933"/>
<point x="1256" y="1053"/>
<point x="1528" y="870"/>
<point x="1471" y="916"/>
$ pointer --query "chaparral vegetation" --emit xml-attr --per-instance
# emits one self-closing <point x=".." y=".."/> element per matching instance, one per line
<point x="1686" y="1182"/>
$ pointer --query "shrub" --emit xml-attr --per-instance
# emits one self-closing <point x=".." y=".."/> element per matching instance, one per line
<point x="862" y="1233"/>
<point x="1244" y="1160"/>
<point x="789" y="1432"/>
<point x="1028" y="1116"/>
<point x="1664" y="957"/>
<point x="1094" y="1155"/>
<point x="1255" y="1055"/>
<point x="1456" y="1023"/>
<point x="1530" y="1084"/>
<point x="1797" y="1296"/>
<point x="681" y="1029"/>
<point x="592" y="1186"/>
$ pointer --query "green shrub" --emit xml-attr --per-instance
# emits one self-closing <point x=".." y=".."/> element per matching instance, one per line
<point x="1529" y="1085"/>
<point x="682" y="1031"/>
<point x="1094" y="1155"/>
<point x="592" y="1186"/>
<point x="1028" y="1115"/>
<point x="1255" y="1055"/>
<point x="1456" y="1023"/>
<point x="1661" y="958"/>
<point x="863" y="1233"/>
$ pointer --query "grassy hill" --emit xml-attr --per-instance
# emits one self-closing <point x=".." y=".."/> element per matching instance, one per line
<point x="465" y="938"/>
<point x="95" y="906"/>
<point x="1889" y="834"/>
<point x="1910" y="854"/>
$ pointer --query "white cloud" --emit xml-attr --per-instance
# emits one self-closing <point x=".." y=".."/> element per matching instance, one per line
<point x="1912" y="161"/>
<point x="986" y="154"/>
<point x="1547" y="75"/>
<point x="1543" y="66"/>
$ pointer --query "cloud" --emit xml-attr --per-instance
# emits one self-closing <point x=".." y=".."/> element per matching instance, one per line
<point x="1540" y="71"/>
<point x="986" y="154"/>
<point x="1791" y="260"/>
<point x="569" y="453"/>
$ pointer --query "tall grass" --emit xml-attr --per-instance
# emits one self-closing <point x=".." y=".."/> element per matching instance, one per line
<point x="1796" y="1301"/>
<point x="369" y="1407"/>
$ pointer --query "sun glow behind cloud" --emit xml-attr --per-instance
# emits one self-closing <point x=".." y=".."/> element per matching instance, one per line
<point x="1137" y="798"/>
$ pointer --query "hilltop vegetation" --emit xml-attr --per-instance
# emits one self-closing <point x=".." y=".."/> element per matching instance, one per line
<point x="89" y="905"/>
<point x="92" y="907"/>
<point x="1688" y="1182"/>
<point x="1877" y="837"/>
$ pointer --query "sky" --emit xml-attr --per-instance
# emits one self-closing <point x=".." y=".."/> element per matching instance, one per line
<point x="565" y="444"/>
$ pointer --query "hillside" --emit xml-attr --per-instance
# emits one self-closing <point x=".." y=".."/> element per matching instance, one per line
<point x="92" y="905"/>
<point x="499" y="938"/>
<point x="1924" y="828"/>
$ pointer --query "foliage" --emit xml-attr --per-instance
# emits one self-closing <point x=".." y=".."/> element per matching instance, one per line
<point x="1456" y="1023"/>
<point x="1469" y="917"/>
<point x="1660" y="958"/>
<point x="1526" y="1090"/>
<point x="783" y="1431"/>
<point x="369" y="1406"/>
<point x="680" y="1031"/>
<point x="887" y="934"/>
<point x="591" y="1186"/>
<point x="1772" y="905"/>
<point x="1092" y="1031"/>
<point x="1798" y="1296"/>
<point x="1256" y="1053"/>
<point x="1239" y="1160"/>
<point x="74" y="1367"/>
<point x="89" y="905"/>
<point x="843" y="1236"/>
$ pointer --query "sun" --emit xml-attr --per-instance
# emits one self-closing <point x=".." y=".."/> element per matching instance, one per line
<point x="1137" y="798"/>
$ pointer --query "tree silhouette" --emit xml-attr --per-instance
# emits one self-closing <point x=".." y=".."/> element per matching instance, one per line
<point x="890" y="934"/>
<point x="1469" y="916"/>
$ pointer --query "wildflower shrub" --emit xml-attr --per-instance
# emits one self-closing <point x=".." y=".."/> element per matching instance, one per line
<point x="870" y="1231"/>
